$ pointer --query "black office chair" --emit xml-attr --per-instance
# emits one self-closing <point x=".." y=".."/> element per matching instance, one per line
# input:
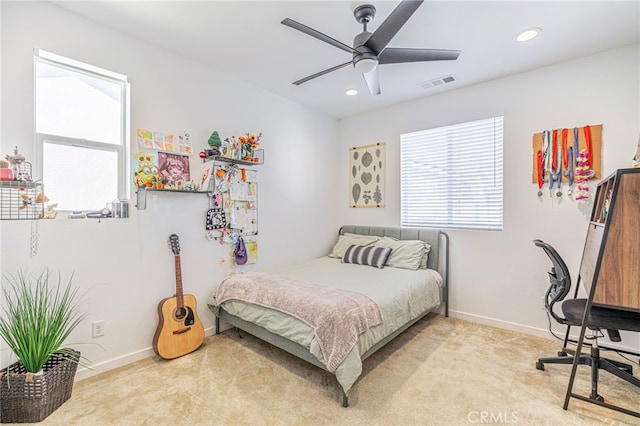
<point x="600" y="318"/>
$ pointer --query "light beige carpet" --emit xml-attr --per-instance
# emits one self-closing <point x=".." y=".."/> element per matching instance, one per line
<point x="442" y="371"/>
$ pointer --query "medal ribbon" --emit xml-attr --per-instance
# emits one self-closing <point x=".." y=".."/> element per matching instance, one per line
<point x="565" y="156"/>
<point x="576" y="144"/>
<point x="548" y="159"/>
<point x="554" y="150"/>
<point x="571" y="163"/>
<point x="558" y="158"/>
<point x="540" y="172"/>
<point x="587" y="138"/>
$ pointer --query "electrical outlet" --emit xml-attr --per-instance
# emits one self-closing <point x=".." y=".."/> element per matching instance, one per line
<point x="98" y="328"/>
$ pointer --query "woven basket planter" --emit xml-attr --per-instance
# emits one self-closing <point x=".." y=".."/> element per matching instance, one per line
<point x="28" y="398"/>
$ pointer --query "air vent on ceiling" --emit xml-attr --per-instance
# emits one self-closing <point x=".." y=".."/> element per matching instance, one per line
<point x="437" y="82"/>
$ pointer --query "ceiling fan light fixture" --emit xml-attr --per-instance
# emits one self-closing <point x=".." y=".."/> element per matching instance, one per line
<point x="366" y="65"/>
<point x="351" y="92"/>
<point x="529" y="34"/>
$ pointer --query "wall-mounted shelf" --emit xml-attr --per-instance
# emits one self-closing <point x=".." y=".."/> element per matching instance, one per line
<point x="141" y="195"/>
<point x="259" y="154"/>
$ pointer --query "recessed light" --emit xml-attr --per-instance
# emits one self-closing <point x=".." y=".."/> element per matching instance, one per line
<point x="351" y="92"/>
<point x="529" y="34"/>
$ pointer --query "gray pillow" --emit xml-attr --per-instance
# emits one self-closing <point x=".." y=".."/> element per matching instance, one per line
<point x="367" y="255"/>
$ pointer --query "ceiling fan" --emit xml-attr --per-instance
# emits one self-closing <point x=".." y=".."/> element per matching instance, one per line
<point x="370" y="49"/>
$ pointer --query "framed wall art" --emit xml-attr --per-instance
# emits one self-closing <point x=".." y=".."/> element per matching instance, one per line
<point x="367" y="175"/>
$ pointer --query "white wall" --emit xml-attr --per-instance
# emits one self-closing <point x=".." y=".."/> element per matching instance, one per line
<point x="125" y="266"/>
<point x="500" y="277"/>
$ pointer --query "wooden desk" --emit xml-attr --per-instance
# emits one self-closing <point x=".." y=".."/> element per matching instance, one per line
<point x="610" y="267"/>
<point x="611" y="256"/>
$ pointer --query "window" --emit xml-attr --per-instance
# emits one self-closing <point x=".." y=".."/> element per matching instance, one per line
<point x="451" y="177"/>
<point x="81" y="117"/>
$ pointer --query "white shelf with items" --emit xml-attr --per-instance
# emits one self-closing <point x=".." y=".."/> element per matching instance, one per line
<point x="141" y="192"/>
<point x="258" y="156"/>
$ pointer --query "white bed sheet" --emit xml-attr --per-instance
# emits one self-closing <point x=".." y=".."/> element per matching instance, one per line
<point x="402" y="295"/>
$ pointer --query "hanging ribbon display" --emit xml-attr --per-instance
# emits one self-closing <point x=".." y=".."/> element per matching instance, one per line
<point x="556" y="158"/>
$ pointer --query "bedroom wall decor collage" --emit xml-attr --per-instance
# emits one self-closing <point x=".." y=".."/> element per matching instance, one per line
<point x="164" y="162"/>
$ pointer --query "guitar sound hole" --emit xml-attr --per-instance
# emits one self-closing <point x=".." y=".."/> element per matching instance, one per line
<point x="180" y="313"/>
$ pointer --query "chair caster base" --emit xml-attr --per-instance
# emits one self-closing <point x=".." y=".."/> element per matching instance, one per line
<point x="539" y="366"/>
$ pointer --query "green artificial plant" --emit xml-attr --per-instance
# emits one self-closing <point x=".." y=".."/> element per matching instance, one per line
<point x="214" y="140"/>
<point x="38" y="318"/>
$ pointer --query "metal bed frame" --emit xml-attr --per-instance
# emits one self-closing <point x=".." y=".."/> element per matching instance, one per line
<point x="438" y="260"/>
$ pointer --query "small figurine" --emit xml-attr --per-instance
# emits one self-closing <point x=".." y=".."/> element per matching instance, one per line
<point x="41" y="198"/>
<point x="6" y="173"/>
<point x="50" y="211"/>
<point x="25" y="198"/>
<point x="15" y="161"/>
<point x="215" y="143"/>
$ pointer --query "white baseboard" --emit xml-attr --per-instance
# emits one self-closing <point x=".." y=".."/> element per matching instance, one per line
<point x="539" y="332"/>
<point x="85" y="373"/>
<point x="533" y="331"/>
<point x="102" y="367"/>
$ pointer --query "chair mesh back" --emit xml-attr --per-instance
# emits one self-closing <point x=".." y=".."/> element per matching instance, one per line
<point x="559" y="278"/>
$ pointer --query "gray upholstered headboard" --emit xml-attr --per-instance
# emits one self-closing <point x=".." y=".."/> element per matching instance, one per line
<point x="438" y="240"/>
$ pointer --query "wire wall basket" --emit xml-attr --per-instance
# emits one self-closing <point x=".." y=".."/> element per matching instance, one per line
<point x="21" y="199"/>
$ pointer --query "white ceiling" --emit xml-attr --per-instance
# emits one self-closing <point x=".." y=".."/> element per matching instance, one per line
<point x="245" y="39"/>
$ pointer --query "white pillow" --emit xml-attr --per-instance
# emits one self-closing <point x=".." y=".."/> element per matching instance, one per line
<point x="425" y="257"/>
<point x="405" y="254"/>
<point x="347" y="240"/>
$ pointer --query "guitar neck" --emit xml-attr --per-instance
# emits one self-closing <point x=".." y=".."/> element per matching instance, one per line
<point x="179" y="296"/>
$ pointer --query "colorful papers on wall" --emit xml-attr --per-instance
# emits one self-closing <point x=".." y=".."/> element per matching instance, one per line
<point x="162" y="141"/>
<point x="252" y="251"/>
<point x="238" y="189"/>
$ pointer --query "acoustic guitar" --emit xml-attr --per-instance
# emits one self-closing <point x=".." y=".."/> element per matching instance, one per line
<point x="179" y="330"/>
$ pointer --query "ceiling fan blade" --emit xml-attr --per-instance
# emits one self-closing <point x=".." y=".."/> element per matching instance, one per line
<point x="318" y="74"/>
<point x="400" y="55"/>
<point x="385" y="32"/>
<point x="317" y="34"/>
<point x="371" y="78"/>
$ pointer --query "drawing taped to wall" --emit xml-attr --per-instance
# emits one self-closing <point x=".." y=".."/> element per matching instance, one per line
<point x="174" y="168"/>
<point x="367" y="175"/>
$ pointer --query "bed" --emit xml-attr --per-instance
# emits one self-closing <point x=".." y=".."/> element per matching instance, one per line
<point x="401" y="294"/>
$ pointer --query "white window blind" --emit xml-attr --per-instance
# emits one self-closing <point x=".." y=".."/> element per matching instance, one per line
<point x="451" y="177"/>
